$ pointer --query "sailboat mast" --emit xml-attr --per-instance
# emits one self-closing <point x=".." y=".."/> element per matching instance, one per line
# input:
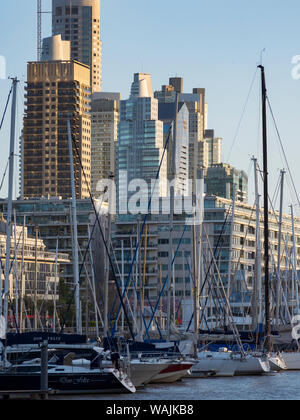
<point x="278" y="284"/>
<point x="257" y="311"/>
<point x="230" y="249"/>
<point x="75" y="234"/>
<point x="294" y="264"/>
<point x="171" y="221"/>
<point x="55" y="288"/>
<point x="10" y="197"/>
<point x="266" y="209"/>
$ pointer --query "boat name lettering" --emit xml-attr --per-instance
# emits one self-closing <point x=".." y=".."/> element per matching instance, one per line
<point x="74" y="381"/>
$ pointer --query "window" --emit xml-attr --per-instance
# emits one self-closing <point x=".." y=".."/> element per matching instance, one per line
<point x="163" y="241"/>
<point x="163" y="254"/>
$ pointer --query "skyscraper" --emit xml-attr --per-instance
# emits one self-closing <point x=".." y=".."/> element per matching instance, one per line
<point x="78" y="21"/>
<point x="195" y="103"/>
<point x="140" y="140"/>
<point x="56" y="91"/>
<point x="105" y="115"/>
<point x="167" y="114"/>
<point x="222" y="180"/>
<point x="214" y="145"/>
<point x="177" y="83"/>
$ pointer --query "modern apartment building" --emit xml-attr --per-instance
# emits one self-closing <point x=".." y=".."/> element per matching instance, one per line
<point x="78" y="21"/>
<point x="105" y="118"/>
<point x="56" y="91"/>
<point x="230" y="245"/>
<point x="53" y="217"/>
<point x="177" y="83"/>
<point x="140" y="147"/>
<point x="150" y="270"/>
<point x="214" y="148"/>
<point x="34" y="267"/>
<point x="195" y="103"/>
<point x="167" y="114"/>
<point x="224" y="180"/>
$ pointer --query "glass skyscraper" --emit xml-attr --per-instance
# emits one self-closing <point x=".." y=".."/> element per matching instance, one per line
<point x="140" y="143"/>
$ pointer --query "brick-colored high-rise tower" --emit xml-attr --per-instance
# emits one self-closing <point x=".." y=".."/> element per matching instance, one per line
<point x="56" y="91"/>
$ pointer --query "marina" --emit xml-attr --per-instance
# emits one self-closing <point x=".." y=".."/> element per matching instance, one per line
<point x="283" y="387"/>
<point x="125" y="357"/>
<point x="146" y="274"/>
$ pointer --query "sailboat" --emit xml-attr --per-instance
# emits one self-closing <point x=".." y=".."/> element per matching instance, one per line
<point x="67" y="376"/>
<point x="62" y="377"/>
<point x="225" y="363"/>
<point x="228" y="364"/>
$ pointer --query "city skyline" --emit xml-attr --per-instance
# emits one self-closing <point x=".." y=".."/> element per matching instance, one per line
<point x="223" y="65"/>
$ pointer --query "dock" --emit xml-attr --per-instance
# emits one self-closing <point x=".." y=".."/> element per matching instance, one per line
<point x="26" y="395"/>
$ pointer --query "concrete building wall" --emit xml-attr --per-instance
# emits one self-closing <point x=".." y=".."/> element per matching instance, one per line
<point x="55" y="49"/>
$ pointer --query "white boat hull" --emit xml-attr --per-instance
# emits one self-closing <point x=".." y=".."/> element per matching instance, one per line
<point x="213" y="367"/>
<point x="292" y="360"/>
<point x="227" y="365"/>
<point x="252" y="366"/>
<point x="277" y="363"/>
<point x="141" y="373"/>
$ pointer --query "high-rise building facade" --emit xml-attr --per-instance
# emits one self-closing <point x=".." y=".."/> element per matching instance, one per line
<point x="167" y="114"/>
<point x="140" y="141"/>
<point x="154" y="255"/>
<point x="56" y="91"/>
<point x="53" y="216"/>
<point x="237" y="250"/>
<point x="225" y="181"/>
<point x="177" y="83"/>
<point x="105" y="114"/>
<point x="195" y="103"/>
<point x="78" y="21"/>
<point x="33" y="260"/>
<point x="214" y="147"/>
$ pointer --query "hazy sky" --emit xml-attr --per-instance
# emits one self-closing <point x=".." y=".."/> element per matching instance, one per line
<point x="216" y="45"/>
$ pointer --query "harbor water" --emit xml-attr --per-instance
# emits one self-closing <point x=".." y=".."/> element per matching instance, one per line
<point x="280" y="386"/>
